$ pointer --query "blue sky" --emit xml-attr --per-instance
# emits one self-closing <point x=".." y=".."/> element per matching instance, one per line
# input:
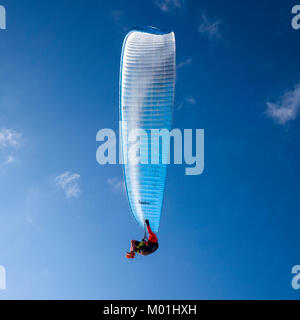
<point x="230" y="233"/>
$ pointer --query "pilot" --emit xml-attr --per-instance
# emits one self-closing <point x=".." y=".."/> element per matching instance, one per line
<point x="144" y="247"/>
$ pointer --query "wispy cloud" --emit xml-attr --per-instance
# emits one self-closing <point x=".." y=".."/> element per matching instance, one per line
<point x="188" y="101"/>
<point x="117" y="185"/>
<point x="10" y="159"/>
<point x="117" y="16"/>
<point x="180" y="106"/>
<point x="191" y="100"/>
<point x="210" y="28"/>
<point x="184" y="63"/>
<point x="68" y="182"/>
<point x="287" y="108"/>
<point x="9" y="138"/>
<point x="169" y="5"/>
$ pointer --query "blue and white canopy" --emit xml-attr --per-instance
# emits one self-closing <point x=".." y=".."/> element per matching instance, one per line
<point x="147" y="82"/>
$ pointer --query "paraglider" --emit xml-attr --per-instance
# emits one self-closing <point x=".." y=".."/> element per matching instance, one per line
<point x="147" y="83"/>
<point x="144" y="247"/>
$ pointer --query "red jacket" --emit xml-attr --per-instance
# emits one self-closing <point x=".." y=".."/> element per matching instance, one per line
<point x="152" y="235"/>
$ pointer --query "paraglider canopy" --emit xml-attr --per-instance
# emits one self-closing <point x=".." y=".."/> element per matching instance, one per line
<point x="147" y="81"/>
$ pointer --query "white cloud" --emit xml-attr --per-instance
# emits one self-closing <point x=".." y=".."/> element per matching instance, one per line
<point x="210" y="28"/>
<point x="188" y="101"/>
<point x="116" y="15"/>
<point x="9" y="138"/>
<point x="169" y="5"/>
<point x="10" y="159"/>
<point x="191" y="100"/>
<point x="184" y="63"/>
<point x="180" y="106"/>
<point x="68" y="182"/>
<point x="287" y="108"/>
<point x="116" y="184"/>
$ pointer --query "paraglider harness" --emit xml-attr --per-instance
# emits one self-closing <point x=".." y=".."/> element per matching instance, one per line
<point x="145" y="245"/>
